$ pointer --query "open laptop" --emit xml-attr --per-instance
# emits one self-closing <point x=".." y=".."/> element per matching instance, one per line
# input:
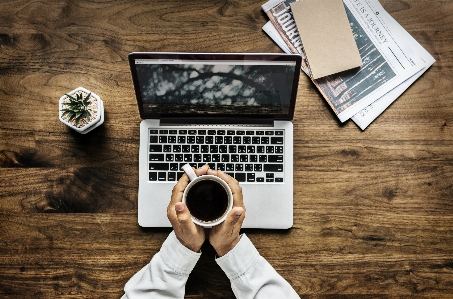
<point x="232" y="111"/>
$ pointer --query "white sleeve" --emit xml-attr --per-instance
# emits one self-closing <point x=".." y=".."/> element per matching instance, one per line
<point x="251" y="276"/>
<point x="166" y="275"/>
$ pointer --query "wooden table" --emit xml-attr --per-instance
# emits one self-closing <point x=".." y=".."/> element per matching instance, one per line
<point x="373" y="210"/>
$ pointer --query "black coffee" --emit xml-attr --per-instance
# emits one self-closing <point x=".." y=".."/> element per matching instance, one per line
<point x="207" y="200"/>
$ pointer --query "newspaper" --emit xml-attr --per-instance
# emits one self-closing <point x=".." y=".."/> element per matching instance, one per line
<point x="370" y="113"/>
<point x="388" y="59"/>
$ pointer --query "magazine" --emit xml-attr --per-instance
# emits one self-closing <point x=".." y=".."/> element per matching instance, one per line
<point x="388" y="60"/>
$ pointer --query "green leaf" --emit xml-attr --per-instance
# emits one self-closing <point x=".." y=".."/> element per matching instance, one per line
<point x="87" y="101"/>
<point x="70" y="97"/>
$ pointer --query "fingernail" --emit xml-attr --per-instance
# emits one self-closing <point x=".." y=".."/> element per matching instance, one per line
<point x="179" y="207"/>
<point x="238" y="213"/>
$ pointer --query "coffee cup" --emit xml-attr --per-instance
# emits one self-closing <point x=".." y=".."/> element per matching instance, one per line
<point x="208" y="198"/>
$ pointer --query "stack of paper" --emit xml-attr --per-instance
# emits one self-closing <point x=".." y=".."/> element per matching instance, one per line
<point x="391" y="59"/>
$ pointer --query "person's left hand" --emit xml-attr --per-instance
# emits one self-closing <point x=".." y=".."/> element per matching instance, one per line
<point x="188" y="233"/>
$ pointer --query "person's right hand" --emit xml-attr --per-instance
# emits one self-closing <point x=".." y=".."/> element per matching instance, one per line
<point x="188" y="233"/>
<point x="225" y="236"/>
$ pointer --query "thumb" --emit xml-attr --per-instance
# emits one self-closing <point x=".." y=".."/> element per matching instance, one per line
<point x="183" y="215"/>
<point x="235" y="216"/>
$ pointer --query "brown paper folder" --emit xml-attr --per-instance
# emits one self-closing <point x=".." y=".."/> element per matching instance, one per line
<point x="326" y="36"/>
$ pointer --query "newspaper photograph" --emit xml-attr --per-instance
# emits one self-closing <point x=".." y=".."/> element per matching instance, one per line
<point x="387" y="60"/>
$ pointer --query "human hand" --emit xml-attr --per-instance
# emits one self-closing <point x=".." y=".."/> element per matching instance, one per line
<point x="225" y="236"/>
<point x="188" y="233"/>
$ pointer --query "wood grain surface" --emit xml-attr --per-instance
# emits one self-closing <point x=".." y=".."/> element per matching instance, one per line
<point x="373" y="210"/>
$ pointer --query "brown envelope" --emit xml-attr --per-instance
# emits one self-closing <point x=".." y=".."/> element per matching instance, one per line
<point x="326" y="36"/>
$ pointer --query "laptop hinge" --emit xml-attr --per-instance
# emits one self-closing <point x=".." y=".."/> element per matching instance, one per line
<point x="236" y="121"/>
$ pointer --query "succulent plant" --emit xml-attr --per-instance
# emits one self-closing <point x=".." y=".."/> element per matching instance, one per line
<point x="77" y="108"/>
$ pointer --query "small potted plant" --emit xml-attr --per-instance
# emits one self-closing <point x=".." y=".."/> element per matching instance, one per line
<point x="81" y="110"/>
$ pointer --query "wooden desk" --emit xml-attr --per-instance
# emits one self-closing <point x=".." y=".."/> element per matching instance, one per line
<point x="373" y="210"/>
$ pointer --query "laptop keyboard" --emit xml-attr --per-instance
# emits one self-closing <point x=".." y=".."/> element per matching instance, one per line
<point x="251" y="155"/>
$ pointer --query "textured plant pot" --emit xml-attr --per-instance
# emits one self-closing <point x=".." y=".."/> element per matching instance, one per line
<point x="94" y="122"/>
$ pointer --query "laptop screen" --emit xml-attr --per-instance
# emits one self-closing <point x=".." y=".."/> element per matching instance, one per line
<point x="197" y="84"/>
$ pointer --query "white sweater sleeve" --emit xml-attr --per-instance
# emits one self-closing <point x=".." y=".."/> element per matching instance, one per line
<point x="166" y="275"/>
<point x="251" y="276"/>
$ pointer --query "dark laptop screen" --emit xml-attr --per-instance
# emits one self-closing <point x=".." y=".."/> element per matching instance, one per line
<point x="239" y="85"/>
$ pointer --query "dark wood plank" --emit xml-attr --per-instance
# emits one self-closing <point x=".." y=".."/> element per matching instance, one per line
<point x="373" y="215"/>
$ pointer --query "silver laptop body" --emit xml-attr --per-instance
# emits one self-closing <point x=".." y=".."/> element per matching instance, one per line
<point x="232" y="111"/>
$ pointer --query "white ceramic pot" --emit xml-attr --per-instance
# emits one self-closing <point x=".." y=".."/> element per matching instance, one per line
<point x="94" y="122"/>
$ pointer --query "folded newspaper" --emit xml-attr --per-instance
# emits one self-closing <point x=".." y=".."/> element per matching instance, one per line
<point x="392" y="59"/>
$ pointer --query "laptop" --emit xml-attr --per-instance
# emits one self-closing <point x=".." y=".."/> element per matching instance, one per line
<point x="231" y="111"/>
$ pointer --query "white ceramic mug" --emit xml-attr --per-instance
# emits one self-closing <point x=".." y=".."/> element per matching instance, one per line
<point x="210" y="198"/>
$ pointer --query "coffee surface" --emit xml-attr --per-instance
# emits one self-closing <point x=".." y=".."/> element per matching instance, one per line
<point x="207" y="200"/>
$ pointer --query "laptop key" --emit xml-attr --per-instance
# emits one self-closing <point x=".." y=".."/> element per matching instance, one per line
<point x="186" y="148"/>
<point x="276" y="140"/>
<point x="172" y="176"/>
<point x="159" y="166"/>
<point x="156" y="157"/>
<point x="250" y="177"/>
<point x="258" y="167"/>
<point x="155" y="148"/>
<point x="162" y="176"/>
<point x="195" y="149"/>
<point x="153" y="176"/>
<point x="205" y="148"/>
<point x="240" y="176"/>
<point x="275" y="158"/>
<point x="223" y="149"/>
<point x="273" y="167"/>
